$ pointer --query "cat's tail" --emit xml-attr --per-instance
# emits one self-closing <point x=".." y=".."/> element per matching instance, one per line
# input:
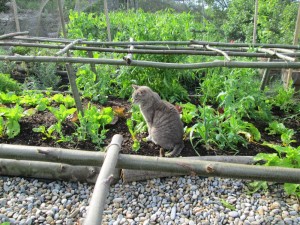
<point x="176" y="151"/>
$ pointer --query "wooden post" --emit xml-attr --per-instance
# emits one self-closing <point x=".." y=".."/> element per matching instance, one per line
<point x="97" y="203"/>
<point x="295" y="42"/>
<point x="15" y="10"/>
<point x="255" y="22"/>
<point x="107" y="20"/>
<point x="70" y="70"/>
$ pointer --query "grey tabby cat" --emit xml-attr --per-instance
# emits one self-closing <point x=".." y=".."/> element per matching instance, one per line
<point x="164" y="125"/>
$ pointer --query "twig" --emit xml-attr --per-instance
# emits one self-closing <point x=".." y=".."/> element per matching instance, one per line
<point x="219" y="51"/>
<point x="279" y="55"/>
<point x="65" y="49"/>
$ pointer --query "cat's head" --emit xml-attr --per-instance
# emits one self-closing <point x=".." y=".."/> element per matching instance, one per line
<point x="141" y="94"/>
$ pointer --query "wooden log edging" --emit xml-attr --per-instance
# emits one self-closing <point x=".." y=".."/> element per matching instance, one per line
<point x="129" y="175"/>
<point x="48" y="170"/>
<point x="98" y="200"/>
<point x="180" y="165"/>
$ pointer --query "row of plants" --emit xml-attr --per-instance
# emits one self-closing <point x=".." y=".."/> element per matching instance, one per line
<point x="91" y="126"/>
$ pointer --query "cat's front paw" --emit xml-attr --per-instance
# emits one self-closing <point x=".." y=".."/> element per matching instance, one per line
<point x="148" y="139"/>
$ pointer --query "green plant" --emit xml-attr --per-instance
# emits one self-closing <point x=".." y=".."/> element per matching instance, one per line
<point x="136" y="124"/>
<point x="67" y="100"/>
<point x="10" y="123"/>
<point x="61" y="114"/>
<point x="278" y="128"/>
<point x="43" y="76"/>
<point x="217" y="130"/>
<point x="93" y="124"/>
<point x="47" y="132"/>
<point x="7" y="84"/>
<point x="286" y="156"/>
<point x="284" y="98"/>
<point x="141" y="26"/>
<point x="94" y="86"/>
<point x="10" y="97"/>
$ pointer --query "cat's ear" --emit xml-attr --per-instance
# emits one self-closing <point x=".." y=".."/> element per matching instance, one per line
<point x="135" y="87"/>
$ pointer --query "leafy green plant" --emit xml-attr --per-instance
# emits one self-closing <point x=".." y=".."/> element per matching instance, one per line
<point x="10" y="97"/>
<point x="47" y="132"/>
<point x="286" y="156"/>
<point x="284" y="98"/>
<point x="215" y="129"/>
<point x="92" y="126"/>
<point x="7" y="84"/>
<point x="136" y="124"/>
<point x="61" y="114"/>
<point x="10" y="123"/>
<point x="278" y="128"/>
<point x="67" y="100"/>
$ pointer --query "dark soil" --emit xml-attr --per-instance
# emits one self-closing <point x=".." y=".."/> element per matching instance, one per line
<point x="28" y="137"/>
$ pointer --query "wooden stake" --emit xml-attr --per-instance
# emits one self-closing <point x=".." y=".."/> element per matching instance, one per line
<point x="295" y="42"/>
<point x="71" y="76"/>
<point x="15" y="9"/>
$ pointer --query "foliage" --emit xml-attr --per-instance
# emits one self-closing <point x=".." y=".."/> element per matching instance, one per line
<point x="8" y="84"/>
<point x="61" y="115"/>
<point x="276" y="21"/>
<point x="136" y="124"/>
<point x="237" y="92"/>
<point x="286" y="156"/>
<point x="279" y="128"/>
<point x="94" y="86"/>
<point x="10" y="118"/>
<point x="43" y="76"/>
<point x="67" y="100"/>
<point x="284" y="98"/>
<point x="141" y="26"/>
<point x="92" y="126"/>
<point x="215" y="129"/>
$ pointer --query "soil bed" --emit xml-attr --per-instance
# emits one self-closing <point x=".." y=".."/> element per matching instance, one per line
<point x="28" y="137"/>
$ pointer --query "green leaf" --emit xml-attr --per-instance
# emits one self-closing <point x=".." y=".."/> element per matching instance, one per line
<point x="227" y="204"/>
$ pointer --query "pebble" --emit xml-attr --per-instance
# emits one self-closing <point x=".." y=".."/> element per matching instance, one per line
<point x="187" y="200"/>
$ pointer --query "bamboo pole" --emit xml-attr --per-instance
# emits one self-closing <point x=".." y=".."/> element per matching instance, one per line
<point x="171" y="43"/>
<point x="70" y="71"/>
<point x="97" y="203"/>
<point x="128" y="58"/>
<point x="162" y="50"/>
<point x="177" y="165"/>
<point x="141" y="63"/>
<point x="48" y="170"/>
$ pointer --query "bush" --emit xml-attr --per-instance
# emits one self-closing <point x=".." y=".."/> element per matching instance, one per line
<point x="8" y="84"/>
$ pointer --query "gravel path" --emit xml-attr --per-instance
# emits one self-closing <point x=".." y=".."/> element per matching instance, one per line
<point x="178" y="200"/>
